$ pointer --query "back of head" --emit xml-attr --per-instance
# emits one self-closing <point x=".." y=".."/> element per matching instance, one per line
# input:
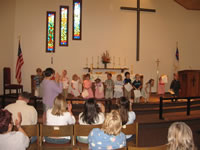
<point x="59" y="106"/>
<point x="48" y="72"/>
<point x="91" y="111"/>
<point x="5" y="120"/>
<point x="25" y="95"/>
<point x="123" y="109"/>
<point x="112" y="124"/>
<point x="180" y="137"/>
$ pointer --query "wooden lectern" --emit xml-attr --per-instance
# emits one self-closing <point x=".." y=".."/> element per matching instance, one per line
<point x="190" y="82"/>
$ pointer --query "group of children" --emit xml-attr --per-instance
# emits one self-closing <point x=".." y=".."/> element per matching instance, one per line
<point x="109" y="89"/>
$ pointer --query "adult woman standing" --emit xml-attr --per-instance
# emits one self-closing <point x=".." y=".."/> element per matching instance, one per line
<point x="50" y="89"/>
<point x="93" y="114"/>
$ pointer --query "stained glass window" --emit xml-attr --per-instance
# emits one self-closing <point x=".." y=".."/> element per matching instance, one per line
<point x="64" y="20"/>
<point x="50" y="38"/>
<point x="77" y="5"/>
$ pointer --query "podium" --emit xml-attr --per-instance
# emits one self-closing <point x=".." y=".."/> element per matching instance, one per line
<point x="190" y="82"/>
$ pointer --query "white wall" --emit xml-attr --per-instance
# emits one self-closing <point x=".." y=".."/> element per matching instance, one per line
<point x="106" y="27"/>
<point x="7" y="9"/>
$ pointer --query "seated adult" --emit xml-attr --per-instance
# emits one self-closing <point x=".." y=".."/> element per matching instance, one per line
<point x="29" y="113"/>
<point x="127" y="115"/>
<point x="110" y="135"/>
<point x="180" y="137"/>
<point x="93" y="114"/>
<point x="59" y="115"/>
<point x="12" y="140"/>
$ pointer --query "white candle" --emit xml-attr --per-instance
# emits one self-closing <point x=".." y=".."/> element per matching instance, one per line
<point x="86" y="61"/>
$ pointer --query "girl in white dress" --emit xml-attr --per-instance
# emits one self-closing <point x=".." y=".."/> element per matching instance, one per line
<point x="146" y="91"/>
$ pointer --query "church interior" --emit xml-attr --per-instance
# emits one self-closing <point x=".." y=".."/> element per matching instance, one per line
<point x="156" y="40"/>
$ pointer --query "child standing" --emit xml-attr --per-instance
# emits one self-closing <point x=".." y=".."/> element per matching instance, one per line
<point x="161" y="87"/>
<point x="137" y="86"/>
<point x="87" y="85"/>
<point x="109" y="83"/>
<point x="146" y="91"/>
<point x="37" y="80"/>
<point x="127" y="80"/>
<point x="65" y="82"/>
<point x="118" y="90"/>
<point x="99" y="89"/>
<point x="75" y="85"/>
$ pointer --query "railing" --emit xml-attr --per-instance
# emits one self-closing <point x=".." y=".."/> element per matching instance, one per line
<point x="107" y="102"/>
<point x="176" y="98"/>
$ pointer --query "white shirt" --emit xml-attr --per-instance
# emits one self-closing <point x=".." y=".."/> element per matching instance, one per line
<point x="65" y="119"/>
<point x="29" y="114"/>
<point x="13" y="141"/>
<point x="75" y="84"/>
<point x="131" y="119"/>
<point x="65" y="82"/>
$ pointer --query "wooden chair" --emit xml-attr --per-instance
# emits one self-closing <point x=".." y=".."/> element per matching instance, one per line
<point x="32" y="130"/>
<point x="7" y="82"/>
<point x="161" y="147"/>
<point x="56" y="131"/>
<point x="83" y="130"/>
<point x="131" y="129"/>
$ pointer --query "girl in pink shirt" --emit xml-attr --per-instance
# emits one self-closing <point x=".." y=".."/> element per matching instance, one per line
<point x="87" y="85"/>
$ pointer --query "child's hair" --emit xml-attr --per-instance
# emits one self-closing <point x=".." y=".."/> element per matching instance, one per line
<point x="119" y="76"/>
<point x="150" y="80"/>
<point x="74" y="76"/>
<point x="38" y="70"/>
<point x="59" y="106"/>
<point x="112" y="124"/>
<point x="180" y="137"/>
<point x="87" y="75"/>
<point x="109" y="74"/>
<point x="137" y="75"/>
<point x="127" y="73"/>
<point x="97" y="80"/>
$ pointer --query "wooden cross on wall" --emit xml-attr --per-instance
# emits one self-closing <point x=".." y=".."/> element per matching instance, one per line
<point x="138" y="9"/>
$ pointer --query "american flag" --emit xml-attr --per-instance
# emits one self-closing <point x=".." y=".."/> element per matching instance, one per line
<point x="19" y="64"/>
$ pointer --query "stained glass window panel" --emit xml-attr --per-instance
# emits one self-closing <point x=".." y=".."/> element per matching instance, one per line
<point x="77" y="5"/>
<point x="50" y="46"/>
<point x="64" y="20"/>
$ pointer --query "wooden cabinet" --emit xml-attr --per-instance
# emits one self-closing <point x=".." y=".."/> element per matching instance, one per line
<point x="190" y="82"/>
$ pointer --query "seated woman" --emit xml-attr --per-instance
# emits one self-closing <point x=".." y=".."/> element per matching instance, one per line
<point x="110" y="135"/>
<point x="93" y="114"/>
<point x="58" y="115"/>
<point x="12" y="140"/>
<point x="127" y="115"/>
<point x="180" y="137"/>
